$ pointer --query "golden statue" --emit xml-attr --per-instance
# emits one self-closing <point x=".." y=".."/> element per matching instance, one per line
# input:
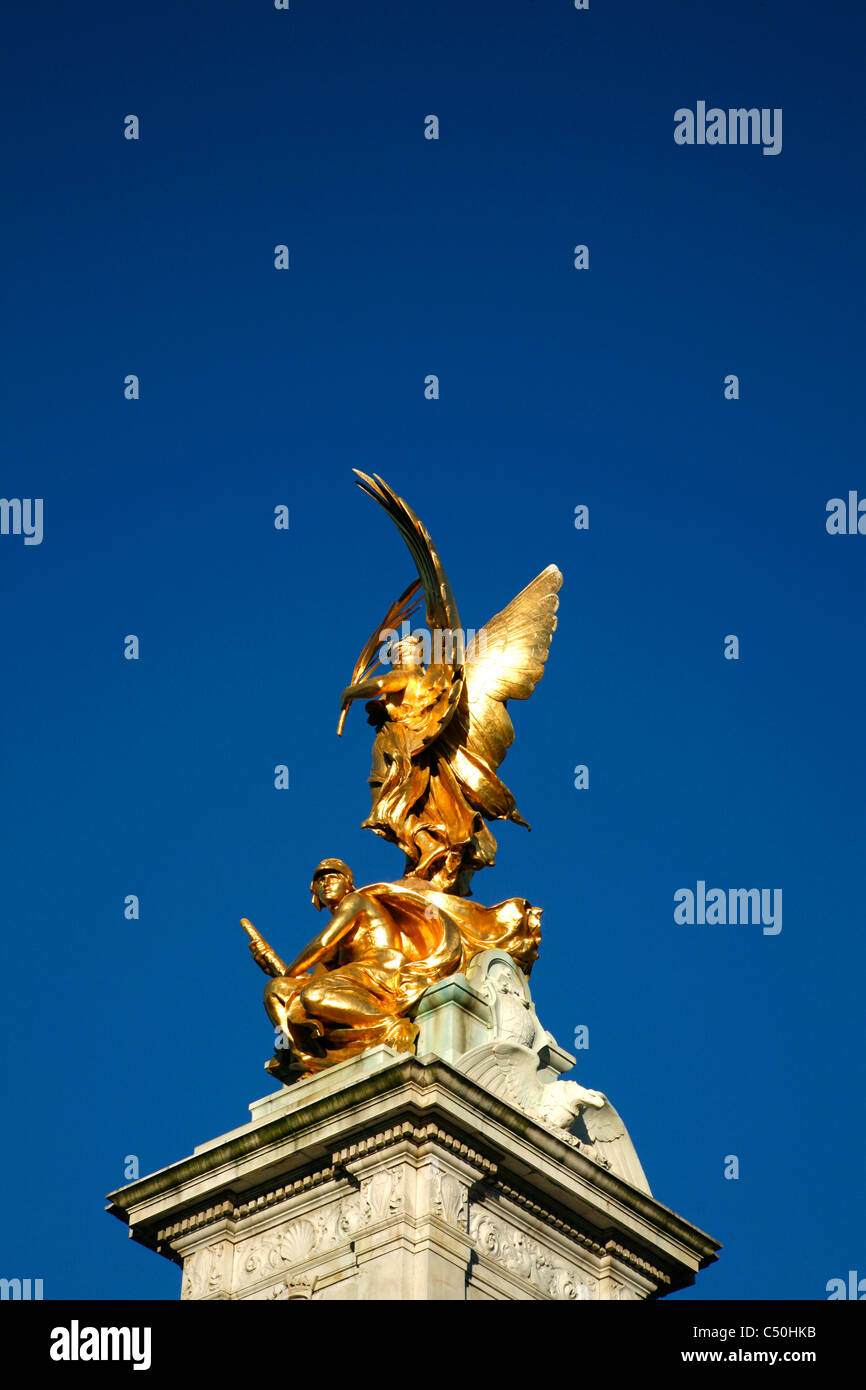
<point x="353" y="984"/>
<point x="442" y="730"/>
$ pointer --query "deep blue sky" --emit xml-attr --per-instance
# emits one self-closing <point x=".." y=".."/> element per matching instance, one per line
<point x="558" y="387"/>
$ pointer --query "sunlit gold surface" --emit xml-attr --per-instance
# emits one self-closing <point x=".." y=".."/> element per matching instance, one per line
<point x="353" y="984"/>
<point x="442" y="730"/>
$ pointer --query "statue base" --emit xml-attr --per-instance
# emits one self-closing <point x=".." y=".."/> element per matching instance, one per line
<point x="400" y="1177"/>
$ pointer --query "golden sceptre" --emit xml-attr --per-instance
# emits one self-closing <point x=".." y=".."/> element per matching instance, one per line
<point x="263" y="953"/>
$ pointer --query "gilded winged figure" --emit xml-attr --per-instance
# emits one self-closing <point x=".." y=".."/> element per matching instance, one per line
<point x="443" y="727"/>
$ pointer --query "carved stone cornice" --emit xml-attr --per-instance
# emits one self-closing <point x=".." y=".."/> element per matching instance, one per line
<point x="307" y="1159"/>
<point x="341" y="1161"/>
<point x="555" y="1221"/>
<point x="230" y="1211"/>
<point x="418" y="1134"/>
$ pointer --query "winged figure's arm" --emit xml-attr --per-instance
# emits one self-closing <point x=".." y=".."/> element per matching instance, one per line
<point x="368" y="662"/>
<point x="376" y="685"/>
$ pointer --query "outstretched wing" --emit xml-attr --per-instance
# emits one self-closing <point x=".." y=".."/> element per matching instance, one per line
<point x="608" y="1137"/>
<point x="504" y="661"/>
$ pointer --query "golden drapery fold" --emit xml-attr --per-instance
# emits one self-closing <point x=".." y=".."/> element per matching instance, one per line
<point x="435" y="934"/>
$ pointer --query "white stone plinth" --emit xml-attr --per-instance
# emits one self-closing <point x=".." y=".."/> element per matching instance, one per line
<point x="401" y="1177"/>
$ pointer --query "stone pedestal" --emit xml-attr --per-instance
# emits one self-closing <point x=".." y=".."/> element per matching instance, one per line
<point x="402" y="1177"/>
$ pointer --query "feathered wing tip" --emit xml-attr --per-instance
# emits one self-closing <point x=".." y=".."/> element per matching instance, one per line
<point x="505" y="661"/>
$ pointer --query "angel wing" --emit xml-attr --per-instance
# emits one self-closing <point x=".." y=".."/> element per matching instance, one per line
<point x="605" y="1132"/>
<point x="504" y="661"/>
<point x="505" y="1068"/>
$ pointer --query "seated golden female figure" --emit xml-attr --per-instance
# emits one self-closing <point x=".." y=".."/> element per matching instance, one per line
<point x="353" y="985"/>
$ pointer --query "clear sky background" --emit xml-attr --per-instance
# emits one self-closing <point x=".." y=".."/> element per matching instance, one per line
<point x="558" y="387"/>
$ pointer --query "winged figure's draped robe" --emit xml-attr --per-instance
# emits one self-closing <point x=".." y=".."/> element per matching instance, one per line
<point x="433" y="808"/>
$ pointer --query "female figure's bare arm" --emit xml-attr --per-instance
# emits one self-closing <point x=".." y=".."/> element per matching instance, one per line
<point x="322" y="945"/>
